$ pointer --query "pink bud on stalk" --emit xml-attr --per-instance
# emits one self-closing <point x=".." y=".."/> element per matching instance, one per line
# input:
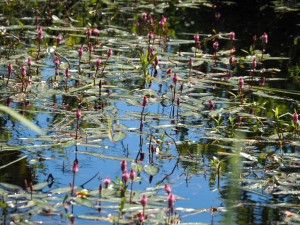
<point x="132" y="174"/>
<point x="96" y="32"/>
<point x="80" y="52"/>
<point x="9" y="69"/>
<point x="196" y="38"/>
<point x="58" y="39"/>
<point x="78" y="114"/>
<point x="98" y="62"/>
<point x="106" y="182"/>
<point x="191" y="63"/>
<point x="144" y="200"/>
<point x="216" y="45"/>
<point x="89" y="32"/>
<point x="295" y="118"/>
<point x="264" y="38"/>
<point x="168" y="189"/>
<point x="141" y="217"/>
<point x="144" y="16"/>
<point x="75" y="166"/>
<point x="23" y="70"/>
<point x="175" y="78"/>
<point x="156" y="60"/>
<point x="145" y="101"/>
<point x="56" y="61"/>
<point x="178" y="101"/>
<point x="90" y="47"/>
<point x="29" y="62"/>
<point x="150" y="35"/>
<point x="254" y="63"/>
<point x="231" y="60"/>
<point x="125" y="176"/>
<point x="40" y="34"/>
<point x="124" y="165"/>
<point x="109" y="53"/>
<point x="232" y="36"/>
<point x="67" y="72"/>
<point x="241" y="83"/>
<point x="169" y="71"/>
<point x="171" y="200"/>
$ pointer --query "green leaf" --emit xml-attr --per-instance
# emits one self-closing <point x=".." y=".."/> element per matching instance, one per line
<point x="85" y="202"/>
<point x="151" y="170"/>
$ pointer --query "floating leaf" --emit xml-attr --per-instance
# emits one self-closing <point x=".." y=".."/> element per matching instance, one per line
<point x="151" y="170"/>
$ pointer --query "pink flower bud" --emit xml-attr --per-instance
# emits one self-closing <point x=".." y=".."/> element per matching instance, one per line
<point x="89" y="32"/>
<point x="67" y="72"/>
<point x="216" y="45"/>
<point x="78" y="114"/>
<point x="254" y="63"/>
<point x="80" y="52"/>
<point x="90" y="47"/>
<point x="144" y="16"/>
<point x="175" y="78"/>
<point x="137" y="23"/>
<point x="231" y="60"/>
<point x="262" y="81"/>
<point x="295" y="118"/>
<point x="58" y="39"/>
<point x="145" y="101"/>
<point x="168" y="189"/>
<point x="156" y="60"/>
<point x="124" y="165"/>
<point x="196" y="38"/>
<point x="106" y="182"/>
<point x="141" y="217"/>
<point x="211" y="104"/>
<point x="144" y="200"/>
<point x="125" y="177"/>
<point x="171" y="200"/>
<point x="40" y="34"/>
<point x="150" y="35"/>
<point x="169" y="71"/>
<point x="9" y="69"/>
<point x="56" y="61"/>
<point x="29" y="62"/>
<point x="96" y="32"/>
<point x="191" y="62"/>
<point x="217" y="15"/>
<point x="264" y="38"/>
<point x="75" y="166"/>
<point x="23" y="70"/>
<point x="232" y="35"/>
<point x="132" y="174"/>
<point x="178" y="101"/>
<point x="241" y="83"/>
<point x="98" y="62"/>
<point x="109" y="53"/>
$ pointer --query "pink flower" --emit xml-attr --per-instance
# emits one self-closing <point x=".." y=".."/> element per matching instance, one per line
<point x="23" y="70"/>
<point x="98" y="62"/>
<point x="40" y="34"/>
<point x="196" y="38"/>
<point x="232" y="35"/>
<point x="169" y="71"/>
<point x="216" y="45"/>
<point x="141" y="217"/>
<point x="156" y="60"/>
<point x="264" y="38"/>
<point x="145" y="101"/>
<point x="175" y="78"/>
<point x="106" y="182"/>
<point x="168" y="189"/>
<point x="144" y="200"/>
<point x="125" y="176"/>
<point x="254" y="63"/>
<point x="58" y="39"/>
<point x="75" y="166"/>
<point x="90" y="47"/>
<point x="295" y="118"/>
<point x="241" y="83"/>
<point x="191" y="62"/>
<point x="109" y="53"/>
<point x="67" y="72"/>
<point x="211" y="104"/>
<point x="150" y="35"/>
<point x="231" y="60"/>
<point x="80" y="52"/>
<point x="89" y="32"/>
<point x="29" y="62"/>
<point x="144" y="16"/>
<point x="96" y="32"/>
<point x="132" y="174"/>
<point x="137" y="23"/>
<point x="171" y="200"/>
<point x="56" y="61"/>
<point x="9" y="69"/>
<point x="124" y="165"/>
<point x="78" y="114"/>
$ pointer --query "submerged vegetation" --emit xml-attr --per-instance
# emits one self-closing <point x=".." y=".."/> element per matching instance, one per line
<point x="144" y="118"/>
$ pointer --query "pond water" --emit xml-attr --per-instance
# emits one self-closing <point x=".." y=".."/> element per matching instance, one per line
<point x="233" y="161"/>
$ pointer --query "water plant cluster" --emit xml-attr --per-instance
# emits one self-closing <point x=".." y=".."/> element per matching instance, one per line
<point x="115" y="82"/>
